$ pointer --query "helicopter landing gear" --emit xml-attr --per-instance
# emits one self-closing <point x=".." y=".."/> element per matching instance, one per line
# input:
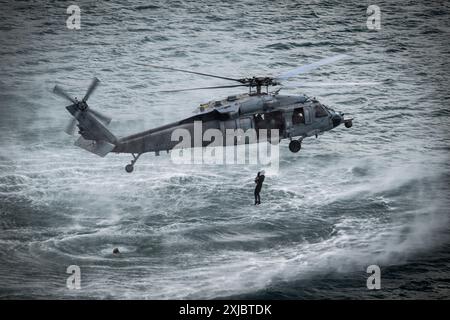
<point x="130" y="167"/>
<point x="348" y="123"/>
<point x="295" y="145"/>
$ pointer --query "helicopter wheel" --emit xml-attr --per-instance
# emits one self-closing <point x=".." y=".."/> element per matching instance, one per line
<point x="348" y="124"/>
<point x="295" y="146"/>
<point x="129" y="168"/>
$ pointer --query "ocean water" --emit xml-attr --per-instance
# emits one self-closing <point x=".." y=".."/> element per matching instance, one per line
<point x="377" y="193"/>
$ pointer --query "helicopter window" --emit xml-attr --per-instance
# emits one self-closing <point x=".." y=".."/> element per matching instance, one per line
<point x="271" y="120"/>
<point x="298" y="116"/>
<point x="320" y="111"/>
<point x="259" y="116"/>
<point x="259" y="120"/>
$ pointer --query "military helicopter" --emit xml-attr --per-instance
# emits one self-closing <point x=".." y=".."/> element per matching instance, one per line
<point x="294" y="116"/>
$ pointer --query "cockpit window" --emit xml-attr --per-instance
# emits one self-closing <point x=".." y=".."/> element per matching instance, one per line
<point x="320" y="111"/>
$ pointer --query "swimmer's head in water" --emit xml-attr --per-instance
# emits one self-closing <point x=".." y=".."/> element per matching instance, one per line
<point x="116" y="251"/>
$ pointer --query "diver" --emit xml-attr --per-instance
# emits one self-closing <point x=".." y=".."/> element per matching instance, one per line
<point x="259" y="181"/>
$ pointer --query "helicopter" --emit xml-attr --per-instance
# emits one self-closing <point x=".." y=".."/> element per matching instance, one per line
<point x="294" y="116"/>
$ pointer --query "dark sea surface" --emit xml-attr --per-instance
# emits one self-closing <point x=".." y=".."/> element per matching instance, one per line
<point x="377" y="193"/>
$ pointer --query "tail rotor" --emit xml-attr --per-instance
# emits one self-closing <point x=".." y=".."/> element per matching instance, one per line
<point x="71" y="126"/>
<point x="78" y="107"/>
<point x="91" y="88"/>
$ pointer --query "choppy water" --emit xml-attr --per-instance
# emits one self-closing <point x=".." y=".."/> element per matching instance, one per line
<point x="375" y="194"/>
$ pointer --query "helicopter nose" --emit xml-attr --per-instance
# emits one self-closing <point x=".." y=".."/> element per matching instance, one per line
<point x="337" y="120"/>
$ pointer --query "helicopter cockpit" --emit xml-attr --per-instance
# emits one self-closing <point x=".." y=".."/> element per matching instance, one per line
<point x="320" y="111"/>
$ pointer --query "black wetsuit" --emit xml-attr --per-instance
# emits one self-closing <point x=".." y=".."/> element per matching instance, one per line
<point x="259" y="181"/>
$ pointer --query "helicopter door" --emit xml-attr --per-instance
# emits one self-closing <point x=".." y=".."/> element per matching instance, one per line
<point x="298" y="116"/>
<point x="307" y="112"/>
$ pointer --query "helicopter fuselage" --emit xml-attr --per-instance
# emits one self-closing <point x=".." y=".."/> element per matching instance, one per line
<point x="294" y="117"/>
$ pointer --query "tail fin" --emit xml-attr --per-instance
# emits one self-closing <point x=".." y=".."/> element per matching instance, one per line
<point x="98" y="147"/>
<point x="95" y="137"/>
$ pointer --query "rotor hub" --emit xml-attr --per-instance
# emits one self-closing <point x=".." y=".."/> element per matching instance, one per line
<point x="82" y="105"/>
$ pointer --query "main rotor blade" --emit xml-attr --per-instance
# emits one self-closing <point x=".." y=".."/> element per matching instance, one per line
<point x="202" y="88"/>
<point x="188" y="71"/>
<point x="71" y="126"/>
<point x="309" y="67"/>
<point x="328" y="84"/>
<point x="62" y="93"/>
<point x="100" y="116"/>
<point x="91" y="88"/>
